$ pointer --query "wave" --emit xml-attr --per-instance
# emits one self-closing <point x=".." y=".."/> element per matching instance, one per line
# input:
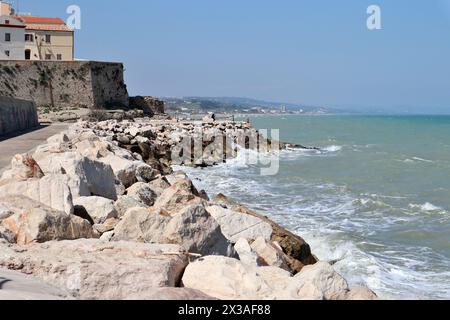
<point x="422" y="160"/>
<point x="415" y="160"/>
<point x="342" y="227"/>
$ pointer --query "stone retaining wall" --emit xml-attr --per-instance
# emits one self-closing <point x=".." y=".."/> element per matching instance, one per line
<point x="17" y="115"/>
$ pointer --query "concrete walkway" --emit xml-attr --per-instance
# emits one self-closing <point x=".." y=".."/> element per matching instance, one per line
<point x="18" y="286"/>
<point x="25" y="142"/>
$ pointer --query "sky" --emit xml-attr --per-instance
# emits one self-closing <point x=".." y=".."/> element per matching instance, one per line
<point x="311" y="52"/>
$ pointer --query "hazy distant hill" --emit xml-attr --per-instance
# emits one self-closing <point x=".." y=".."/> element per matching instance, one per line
<point x="234" y="104"/>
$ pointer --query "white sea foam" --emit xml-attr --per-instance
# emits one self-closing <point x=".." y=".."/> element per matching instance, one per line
<point x="422" y="160"/>
<point x="427" y="207"/>
<point x="332" y="148"/>
<point x="415" y="160"/>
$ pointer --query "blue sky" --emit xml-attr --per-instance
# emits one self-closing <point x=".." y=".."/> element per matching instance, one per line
<point x="316" y="52"/>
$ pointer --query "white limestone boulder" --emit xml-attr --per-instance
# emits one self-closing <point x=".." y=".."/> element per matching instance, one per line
<point x="124" y="169"/>
<point x="126" y="202"/>
<point x="52" y="190"/>
<point x="99" y="209"/>
<point x="142" y="192"/>
<point x="97" y="270"/>
<point x="193" y="228"/>
<point x="269" y="254"/>
<point x="159" y="185"/>
<point x="361" y="293"/>
<point x="35" y="222"/>
<point x="320" y="277"/>
<point x="181" y="194"/>
<point x="236" y="225"/>
<point x="87" y="177"/>
<point x="23" y="167"/>
<point x="245" y="253"/>
<point x="225" y="279"/>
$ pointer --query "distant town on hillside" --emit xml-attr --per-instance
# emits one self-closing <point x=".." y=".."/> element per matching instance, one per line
<point x="233" y="105"/>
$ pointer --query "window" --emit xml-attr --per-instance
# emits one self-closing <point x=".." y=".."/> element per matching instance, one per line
<point x="8" y="37"/>
<point x="7" y="53"/>
<point x="29" y="37"/>
<point x="6" y="21"/>
<point x="48" y="38"/>
<point x="48" y="57"/>
<point x="59" y="57"/>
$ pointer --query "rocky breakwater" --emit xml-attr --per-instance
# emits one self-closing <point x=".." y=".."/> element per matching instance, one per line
<point x="98" y="212"/>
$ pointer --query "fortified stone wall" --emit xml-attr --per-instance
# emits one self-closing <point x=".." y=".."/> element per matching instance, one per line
<point x="150" y="105"/>
<point x="56" y="85"/>
<point x="17" y="115"/>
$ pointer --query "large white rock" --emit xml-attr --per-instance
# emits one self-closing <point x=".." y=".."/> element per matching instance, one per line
<point x="5" y="211"/>
<point x="159" y="185"/>
<point x="181" y="194"/>
<point x="124" y="169"/>
<point x="269" y="254"/>
<point x="59" y="138"/>
<point x="236" y="225"/>
<point x="87" y="177"/>
<point x="93" y="149"/>
<point x="124" y="203"/>
<point x="99" y="209"/>
<point x="23" y="167"/>
<point x="145" y="173"/>
<point x="226" y="279"/>
<point x="52" y="190"/>
<point x="230" y="279"/>
<point x="361" y="293"/>
<point x="34" y="222"/>
<point x="142" y="192"/>
<point x="96" y="270"/>
<point x="320" y="277"/>
<point x="245" y="253"/>
<point x="193" y="228"/>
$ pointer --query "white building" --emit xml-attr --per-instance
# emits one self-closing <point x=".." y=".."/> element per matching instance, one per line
<point x="12" y="36"/>
<point x="47" y="39"/>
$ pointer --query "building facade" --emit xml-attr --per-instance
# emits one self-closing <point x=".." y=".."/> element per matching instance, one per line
<point x="26" y="37"/>
<point x="47" y="39"/>
<point x="6" y="9"/>
<point x="12" y="35"/>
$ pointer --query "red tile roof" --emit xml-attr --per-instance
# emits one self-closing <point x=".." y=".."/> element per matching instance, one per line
<point x="40" y="20"/>
<point x="43" y="23"/>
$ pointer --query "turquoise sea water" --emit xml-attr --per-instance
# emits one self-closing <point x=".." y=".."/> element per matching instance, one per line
<point x="376" y="199"/>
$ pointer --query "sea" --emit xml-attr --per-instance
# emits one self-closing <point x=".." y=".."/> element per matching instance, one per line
<point x="374" y="200"/>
